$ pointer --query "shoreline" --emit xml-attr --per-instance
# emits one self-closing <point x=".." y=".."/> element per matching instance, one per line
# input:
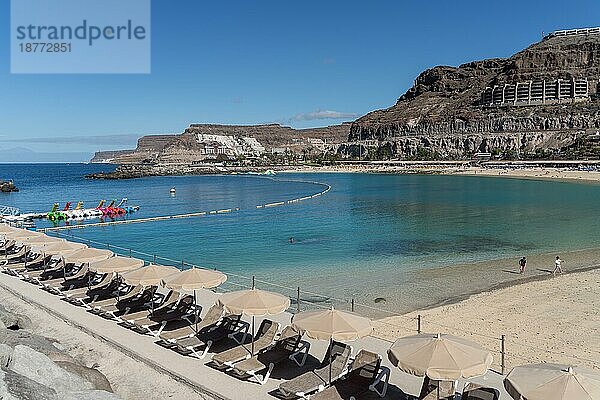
<point x="533" y="173"/>
<point x="541" y="319"/>
<point x="446" y="285"/>
<point x="500" y="286"/>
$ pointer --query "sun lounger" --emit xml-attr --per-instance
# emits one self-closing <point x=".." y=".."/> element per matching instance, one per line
<point x="212" y="317"/>
<point x="263" y="340"/>
<point x="230" y="327"/>
<point x="124" y="292"/>
<point x="288" y="347"/>
<point x="476" y="392"/>
<point x="107" y="287"/>
<point x="166" y="304"/>
<point x="11" y="268"/>
<point x="18" y="253"/>
<point x="318" y="379"/>
<point x="364" y="376"/>
<point x="73" y="279"/>
<point x="184" y="313"/>
<point x="128" y="305"/>
<point x="434" y="390"/>
<point x="52" y="270"/>
<point x="94" y="282"/>
<point x="6" y="246"/>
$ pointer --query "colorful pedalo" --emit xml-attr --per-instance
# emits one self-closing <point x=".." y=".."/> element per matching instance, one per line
<point x="79" y="212"/>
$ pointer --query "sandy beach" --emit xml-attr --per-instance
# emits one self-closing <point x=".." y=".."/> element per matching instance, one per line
<point x="505" y="171"/>
<point x="552" y="320"/>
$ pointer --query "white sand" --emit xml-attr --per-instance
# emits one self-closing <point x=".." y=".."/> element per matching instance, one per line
<point x="553" y="320"/>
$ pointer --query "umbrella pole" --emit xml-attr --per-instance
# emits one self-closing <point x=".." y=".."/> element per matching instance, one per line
<point x="252" y="352"/>
<point x="195" y="311"/>
<point x="330" y="357"/>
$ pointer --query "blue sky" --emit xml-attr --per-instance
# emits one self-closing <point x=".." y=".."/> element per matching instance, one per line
<point x="243" y="62"/>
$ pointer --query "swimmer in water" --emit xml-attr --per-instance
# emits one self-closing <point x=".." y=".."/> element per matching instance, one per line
<point x="292" y="240"/>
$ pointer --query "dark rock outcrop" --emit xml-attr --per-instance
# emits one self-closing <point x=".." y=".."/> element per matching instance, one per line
<point x="8" y="186"/>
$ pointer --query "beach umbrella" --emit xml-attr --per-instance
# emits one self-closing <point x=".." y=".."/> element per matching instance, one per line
<point x="332" y="324"/>
<point x="87" y="256"/>
<point x="194" y="279"/>
<point x="58" y="248"/>
<point x="35" y="240"/>
<point x="254" y="302"/>
<point x="440" y="357"/>
<point x="23" y="234"/>
<point x="151" y="275"/>
<point x="116" y="265"/>
<point x="552" y="382"/>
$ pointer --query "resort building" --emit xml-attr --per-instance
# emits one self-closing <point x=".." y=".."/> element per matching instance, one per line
<point x="536" y="92"/>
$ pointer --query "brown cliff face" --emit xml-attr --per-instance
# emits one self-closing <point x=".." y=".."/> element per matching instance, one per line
<point x="445" y="103"/>
<point x="184" y="148"/>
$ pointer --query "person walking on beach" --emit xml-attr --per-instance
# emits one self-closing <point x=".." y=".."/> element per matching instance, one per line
<point x="522" y="264"/>
<point x="557" y="266"/>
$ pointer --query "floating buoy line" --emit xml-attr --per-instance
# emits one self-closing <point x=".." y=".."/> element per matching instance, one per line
<point x="326" y="189"/>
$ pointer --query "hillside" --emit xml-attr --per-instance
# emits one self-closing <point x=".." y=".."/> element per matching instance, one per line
<point x="538" y="98"/>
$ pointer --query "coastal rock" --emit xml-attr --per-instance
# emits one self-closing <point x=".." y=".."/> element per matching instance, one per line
<point x="8" y="186"/>
<point x="5" y="355"/>
<point x="37" y="343"/>
<point x="41" y="369"/>
<point x="18" y="387"/>
<point x="95" y="377"/>
<point x="89" y="395"/>
<point x="13" y="321"/>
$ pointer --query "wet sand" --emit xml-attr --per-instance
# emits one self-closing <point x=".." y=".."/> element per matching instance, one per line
<point x="432" y="287"/>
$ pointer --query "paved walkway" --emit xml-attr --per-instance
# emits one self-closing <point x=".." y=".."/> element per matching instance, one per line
<point x="191" y="371"/>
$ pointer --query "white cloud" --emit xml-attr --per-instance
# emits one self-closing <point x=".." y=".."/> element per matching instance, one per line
<point x="322" y="114"/>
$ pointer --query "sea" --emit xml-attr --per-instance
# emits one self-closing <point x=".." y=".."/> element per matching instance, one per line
<point x="389" y="242"/>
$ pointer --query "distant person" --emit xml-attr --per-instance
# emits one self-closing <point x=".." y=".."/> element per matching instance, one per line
<point x="522" y="264"/>
<point x="292" y="240"/>
<point x="557" y="266"/>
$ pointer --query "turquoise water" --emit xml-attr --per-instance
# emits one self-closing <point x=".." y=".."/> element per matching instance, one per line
<point x="371" y="235"/>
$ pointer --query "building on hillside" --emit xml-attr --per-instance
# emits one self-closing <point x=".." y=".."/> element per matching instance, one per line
<point x="229" y="145"/>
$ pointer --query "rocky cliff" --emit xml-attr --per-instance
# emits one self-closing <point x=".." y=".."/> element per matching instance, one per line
<point x="444" y="113"/>
<point x="185" y="148"/>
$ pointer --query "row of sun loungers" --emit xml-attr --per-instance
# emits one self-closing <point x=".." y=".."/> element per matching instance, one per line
<point x="173" y="318"/>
